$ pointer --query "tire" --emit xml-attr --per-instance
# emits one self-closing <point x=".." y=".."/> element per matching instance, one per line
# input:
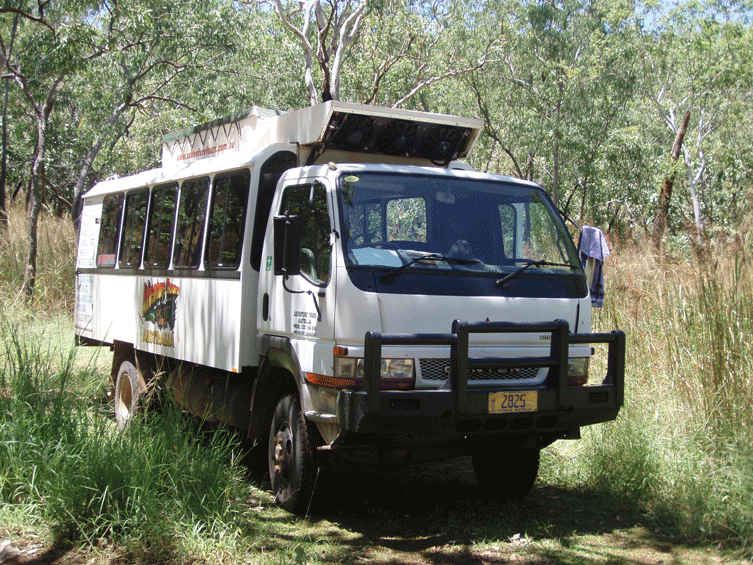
<point x="506" y="474"/>
<point x="291" y="456"/>
<point x="128" y="389"/>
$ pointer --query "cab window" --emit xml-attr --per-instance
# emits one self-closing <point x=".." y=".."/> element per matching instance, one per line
<point x="309" y="203"/>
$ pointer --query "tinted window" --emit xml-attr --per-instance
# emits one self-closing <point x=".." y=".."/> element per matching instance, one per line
<point x="309" y="202"/>
<point x="160" y="231"/>
<point x="190" y="230"/>
<point x="133" y="228"/>
<point x="109" y="230"/>
<point x="227" y="218"/>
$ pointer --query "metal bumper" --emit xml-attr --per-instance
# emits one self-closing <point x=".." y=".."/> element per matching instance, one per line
<point x="458" y="411"/>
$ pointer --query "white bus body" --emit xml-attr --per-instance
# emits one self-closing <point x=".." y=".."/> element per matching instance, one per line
<point x="332" y="280"/>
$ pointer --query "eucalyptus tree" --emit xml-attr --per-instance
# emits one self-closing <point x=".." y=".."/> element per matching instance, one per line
<point x="335" y="24"/>
<point x="401" y="42"/>
<point x="559" y="88"/>
<point x="697" y="79"/>
<point x="153" y="52"/>
<point x="51" y="42"/>
<point x="412" y="53"/>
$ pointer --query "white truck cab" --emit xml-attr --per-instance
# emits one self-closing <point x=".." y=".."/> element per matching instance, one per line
<point x="334" y="282"/>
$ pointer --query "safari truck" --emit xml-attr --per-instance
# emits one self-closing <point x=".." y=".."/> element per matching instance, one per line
<point x="336" y="282"/>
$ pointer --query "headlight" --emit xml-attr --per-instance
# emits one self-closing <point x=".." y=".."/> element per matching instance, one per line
<point x="395" y="373"/>
<point x="577" y="371"/>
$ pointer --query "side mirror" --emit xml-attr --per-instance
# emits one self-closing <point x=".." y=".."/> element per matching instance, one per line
<point x="287" y="245"/>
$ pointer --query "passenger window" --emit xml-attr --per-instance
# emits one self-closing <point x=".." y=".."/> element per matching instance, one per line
<point x="133" y="228"/>
<point x="190" y="230"/>
<point x="160" y="231"/>
<point x="226" y="220"/>
<point x="109" y="230"/>
<point x="309" y="203"/>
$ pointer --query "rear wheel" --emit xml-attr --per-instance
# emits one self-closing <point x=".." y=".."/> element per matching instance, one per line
<point x="292" y="456"/>
<point x="506" y="474"/>
<point x="128" y="389"/>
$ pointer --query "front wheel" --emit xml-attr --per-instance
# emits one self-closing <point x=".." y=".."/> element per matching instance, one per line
<point x="506" y="474"/>
<point x="292" y="456"/>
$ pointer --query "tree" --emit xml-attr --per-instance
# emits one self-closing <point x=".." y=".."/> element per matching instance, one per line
<point x="558" y="90"/>
<point x="398" y="35"/>
<point x="151" y="52"/>
<point x="680" y="81"/>
<point x="52" y="42"/>
<point x="335" y="25"/>
<point x="667" y="185"/>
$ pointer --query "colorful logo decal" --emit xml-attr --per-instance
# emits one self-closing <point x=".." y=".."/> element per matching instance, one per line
<point x="159" y="312"/>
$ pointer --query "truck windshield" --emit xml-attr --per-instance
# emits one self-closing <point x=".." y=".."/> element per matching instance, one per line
<point x="404" y="223"/>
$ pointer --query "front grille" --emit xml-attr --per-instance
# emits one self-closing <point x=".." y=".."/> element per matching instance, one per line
<point x="437" y="370"/>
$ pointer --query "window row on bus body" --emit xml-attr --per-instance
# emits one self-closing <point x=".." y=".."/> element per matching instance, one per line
<point x="165" y="226"/>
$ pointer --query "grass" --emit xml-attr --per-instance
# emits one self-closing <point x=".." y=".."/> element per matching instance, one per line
<point x="679" y="456"/>
<point x="681" y="448"/>
<point x="54" y="290"/>
<point x="62" y="457"/>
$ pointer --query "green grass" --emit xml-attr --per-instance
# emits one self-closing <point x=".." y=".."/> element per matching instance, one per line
<point x="62" y="458"/>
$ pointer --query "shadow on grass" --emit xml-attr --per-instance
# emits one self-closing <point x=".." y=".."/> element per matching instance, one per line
<point x="435" y="513"/>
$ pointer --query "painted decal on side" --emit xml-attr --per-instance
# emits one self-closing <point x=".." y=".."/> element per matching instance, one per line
<point x="158" y="313"/>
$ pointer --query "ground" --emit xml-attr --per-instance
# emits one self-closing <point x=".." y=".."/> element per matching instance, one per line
<point x="426" y="515"/>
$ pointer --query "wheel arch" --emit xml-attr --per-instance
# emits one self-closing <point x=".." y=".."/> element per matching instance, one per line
<point x="279" y="374"/>
<point x="121" y="351"/>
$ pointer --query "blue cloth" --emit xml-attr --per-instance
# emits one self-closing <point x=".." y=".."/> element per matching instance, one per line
<point x="593" y="244"/>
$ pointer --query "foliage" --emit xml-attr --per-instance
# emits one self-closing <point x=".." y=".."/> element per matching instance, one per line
<point x="681" y="447"/>
<point x="578" y="97"/>
<point x="61" y="453"/>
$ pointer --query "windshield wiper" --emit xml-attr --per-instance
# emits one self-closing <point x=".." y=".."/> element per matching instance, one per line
<point x="430" y="257"/>
<point x="541" y="263"/>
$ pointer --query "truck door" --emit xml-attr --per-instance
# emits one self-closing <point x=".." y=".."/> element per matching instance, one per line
<point x="301" y="306"/>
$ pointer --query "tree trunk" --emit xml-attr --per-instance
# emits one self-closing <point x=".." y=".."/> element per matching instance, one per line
<point x="4" y="165"/>
<point x="667" y="185"/>
<point x="35" y="205"/>
<point x="36" y="183"/>
<point x="78" y="190"/>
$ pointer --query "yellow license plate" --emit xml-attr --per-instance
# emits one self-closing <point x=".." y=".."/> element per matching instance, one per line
<point x="512" y="402"/>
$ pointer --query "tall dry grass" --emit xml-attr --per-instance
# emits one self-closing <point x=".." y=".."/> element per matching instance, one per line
<point x="690" y="320"/>
<point x="681" y="447"/>
<point x="56" y="262"/>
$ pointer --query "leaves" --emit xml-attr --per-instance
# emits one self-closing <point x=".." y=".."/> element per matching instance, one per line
<point x="578" y="97"/>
